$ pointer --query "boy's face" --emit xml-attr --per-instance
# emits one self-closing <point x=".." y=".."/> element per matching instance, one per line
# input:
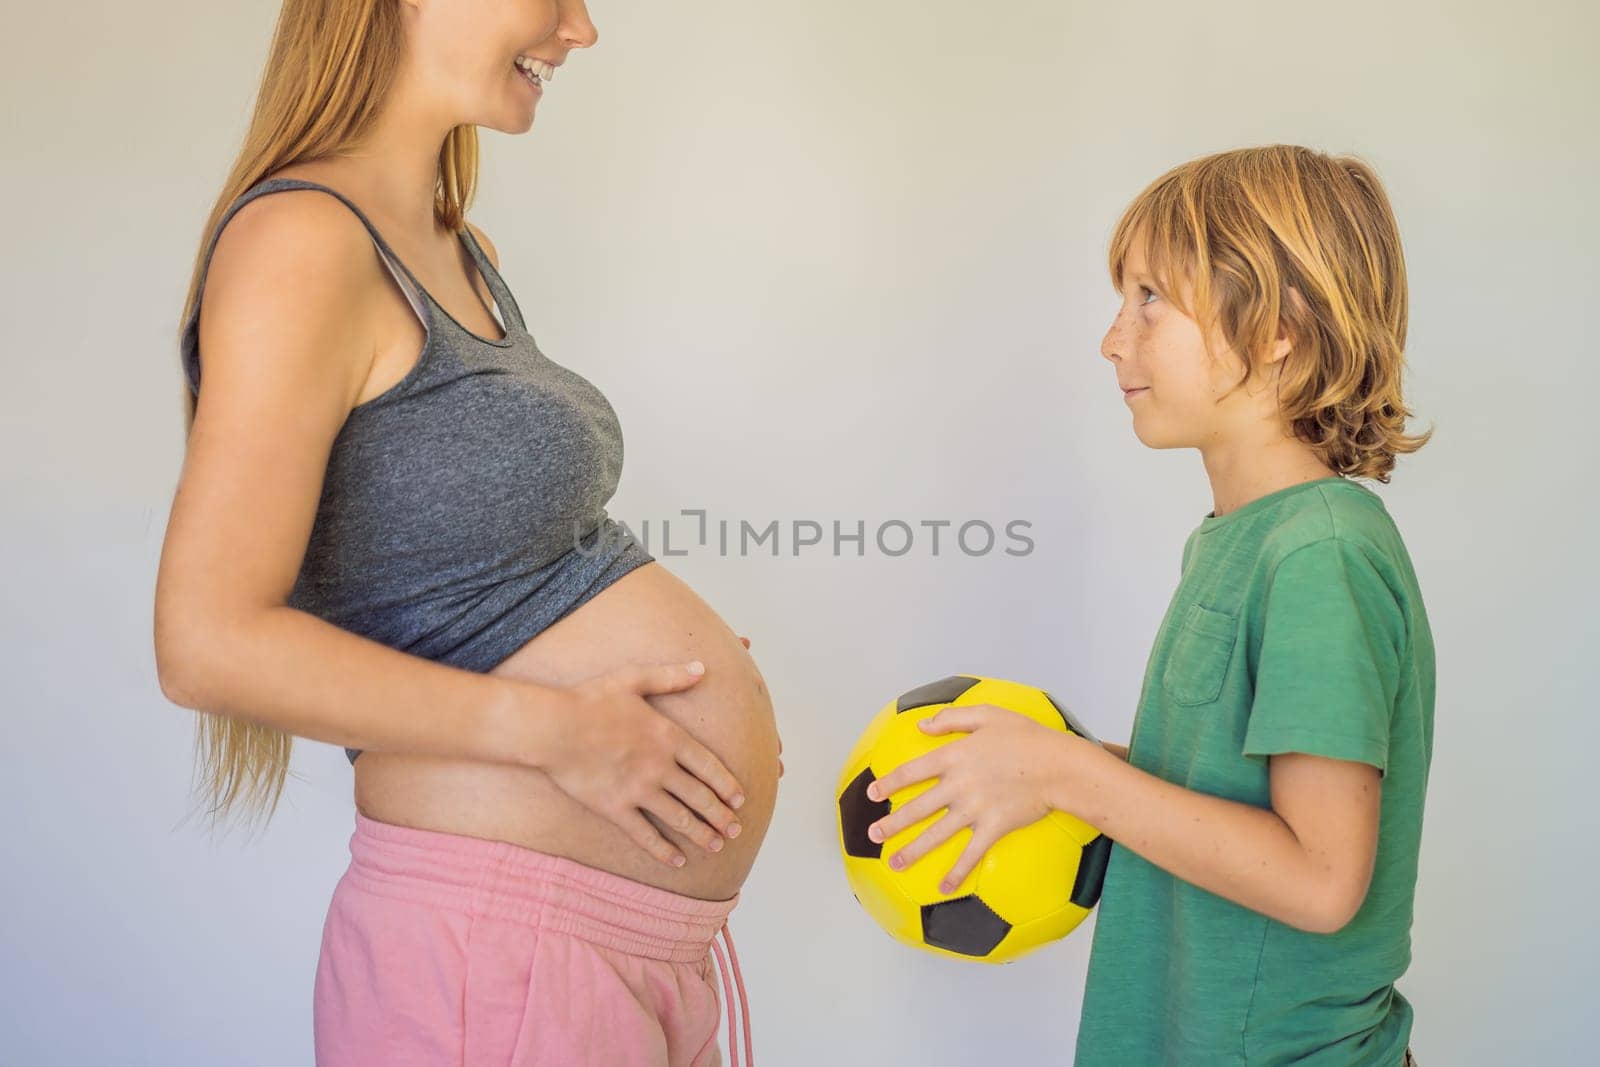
<point x="1177" y="390"/>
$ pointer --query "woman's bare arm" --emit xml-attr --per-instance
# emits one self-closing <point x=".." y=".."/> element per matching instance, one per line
<point x="292" y="671"/>
<point x="1119" y="751"/>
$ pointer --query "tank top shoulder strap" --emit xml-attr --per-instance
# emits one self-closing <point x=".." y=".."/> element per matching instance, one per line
<point x="413" y="289"/>
<point x="408" y="281"/>
<point x="491" y="276"/>
<point x="272" y="185"/>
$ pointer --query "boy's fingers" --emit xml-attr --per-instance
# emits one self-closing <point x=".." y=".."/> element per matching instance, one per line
<point x="965" y="718"/>
<point x="909" y="773"/>
<point x="942" y="830"/>
<point x="975" y="850"/>
<point x="918" y="808"/>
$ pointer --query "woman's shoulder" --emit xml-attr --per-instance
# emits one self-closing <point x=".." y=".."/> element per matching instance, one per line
<point x="484" y="243"/>
<point x="299" y="241"/>
<point x="286" y="270"/>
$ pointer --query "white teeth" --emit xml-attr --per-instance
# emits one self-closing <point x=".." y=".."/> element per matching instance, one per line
<point x="537" y="67"/>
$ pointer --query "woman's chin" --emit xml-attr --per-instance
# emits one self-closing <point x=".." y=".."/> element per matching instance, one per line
<point x="525" y="122"/>
<point x="510" y="127"/>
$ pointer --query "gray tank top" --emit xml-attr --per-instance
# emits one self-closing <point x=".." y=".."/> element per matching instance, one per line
<point x="463" y="509"/>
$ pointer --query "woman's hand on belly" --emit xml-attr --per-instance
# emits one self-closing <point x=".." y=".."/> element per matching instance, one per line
<point x="647" y="616"/>
<point x="612" y="752"/>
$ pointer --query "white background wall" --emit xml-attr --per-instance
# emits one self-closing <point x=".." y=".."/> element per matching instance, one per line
<point x="829" y="260"/>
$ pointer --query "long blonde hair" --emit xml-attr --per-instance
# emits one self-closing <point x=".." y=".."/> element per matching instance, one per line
<point x="328" y="72"/>
<point x="1240" y="228"/>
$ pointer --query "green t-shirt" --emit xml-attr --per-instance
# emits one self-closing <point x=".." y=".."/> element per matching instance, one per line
<point x="1297" y="626"/>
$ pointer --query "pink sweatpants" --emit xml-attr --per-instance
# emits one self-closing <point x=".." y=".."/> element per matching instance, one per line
<point x="441" y="950"/>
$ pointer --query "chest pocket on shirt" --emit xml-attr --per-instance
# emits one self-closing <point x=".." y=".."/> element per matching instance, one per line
<point x="1200" y="655"/>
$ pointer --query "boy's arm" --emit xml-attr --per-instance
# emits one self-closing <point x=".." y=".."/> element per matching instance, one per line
<point x="1119" y="751"/>
<point x="1306" y="861"/>
<point x="1333" y="635"/>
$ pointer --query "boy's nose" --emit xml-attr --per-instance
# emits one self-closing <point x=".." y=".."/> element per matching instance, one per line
<point x="1111" y="344"/>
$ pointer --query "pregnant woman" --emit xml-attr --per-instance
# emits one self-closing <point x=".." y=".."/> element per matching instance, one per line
<point x="389" y="533"/>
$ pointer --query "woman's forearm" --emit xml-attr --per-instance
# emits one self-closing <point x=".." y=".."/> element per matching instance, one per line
<point x="290" y="670"/>
<point x="1246" y="854"/>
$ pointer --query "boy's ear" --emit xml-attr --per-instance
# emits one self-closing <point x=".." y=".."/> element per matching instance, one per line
<point x="1297" y="312"/>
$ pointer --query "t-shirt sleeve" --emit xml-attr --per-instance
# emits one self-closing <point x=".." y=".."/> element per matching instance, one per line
<point x="1329" y="665"/>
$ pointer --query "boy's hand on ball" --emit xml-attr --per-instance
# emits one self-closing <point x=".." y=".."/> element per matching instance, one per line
<point x="995" y="780"/>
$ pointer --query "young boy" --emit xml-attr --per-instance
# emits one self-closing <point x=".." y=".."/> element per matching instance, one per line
<point x="1267" y="811"/>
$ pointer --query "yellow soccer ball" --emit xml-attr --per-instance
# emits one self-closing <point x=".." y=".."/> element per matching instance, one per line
<point x="1035" y="885"/>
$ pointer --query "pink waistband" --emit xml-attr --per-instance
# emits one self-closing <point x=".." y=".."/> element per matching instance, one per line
<point x="500" y="880"/>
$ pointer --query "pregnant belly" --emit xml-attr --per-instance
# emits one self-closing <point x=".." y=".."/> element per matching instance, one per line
<point x="647" y="616"/>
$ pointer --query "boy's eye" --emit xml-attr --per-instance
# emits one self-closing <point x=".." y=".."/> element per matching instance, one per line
<point x="1147" y="290"/>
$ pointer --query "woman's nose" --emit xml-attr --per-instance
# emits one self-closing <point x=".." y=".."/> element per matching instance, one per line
<point x="577" y="28"/>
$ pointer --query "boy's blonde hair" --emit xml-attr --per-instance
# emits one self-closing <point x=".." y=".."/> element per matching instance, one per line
<point x="1241" y="228"/>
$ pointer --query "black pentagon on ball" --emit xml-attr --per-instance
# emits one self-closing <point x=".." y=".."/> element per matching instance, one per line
<point x="1091" y="872"/>
<point x="966" y="925"/>
<point x="1073" y="725"/>
<point x="856" y="813"/>
<point x="941" y="692"/>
